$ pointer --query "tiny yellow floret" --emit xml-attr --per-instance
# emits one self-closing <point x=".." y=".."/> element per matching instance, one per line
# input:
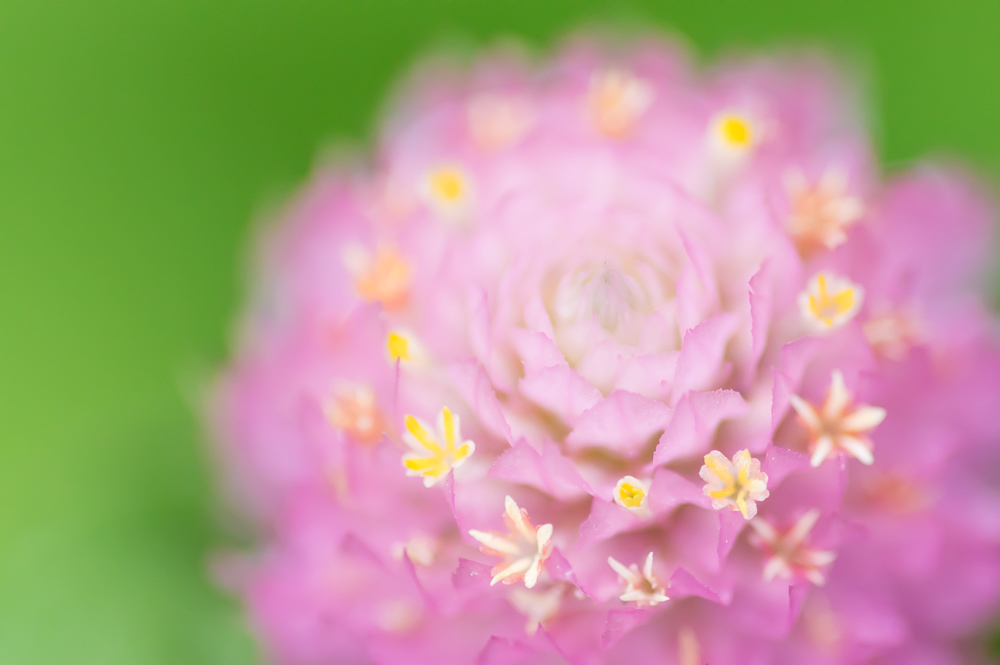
<point x="632" y="494"/>
<point x="830" y="301"/>
<point x="447" y="185"/>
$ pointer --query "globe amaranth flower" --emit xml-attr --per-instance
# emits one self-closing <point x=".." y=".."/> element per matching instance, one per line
<point x="607" y="359"/>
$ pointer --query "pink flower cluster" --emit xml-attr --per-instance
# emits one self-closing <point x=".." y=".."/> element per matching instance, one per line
<point x="608" y="360"/>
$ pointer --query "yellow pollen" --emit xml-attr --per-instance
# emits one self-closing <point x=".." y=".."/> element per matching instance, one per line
<point x="447" y="185"/>
<point x="736" y="131"/>
<point x="385" y="279"/>
<point x="631" y="496"/>
<point x="825" y="306"/>
<point x="399" y="347"/>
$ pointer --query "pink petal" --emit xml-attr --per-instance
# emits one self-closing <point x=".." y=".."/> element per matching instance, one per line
<point x="471" y="381"/>
<point x="622" y="422"/>
<point x="606" y="519"/>
<point x="670" y="489"/>
<point x="560" y="390"/>
<point x="693" y="423"/>
<point x="536" y="350"/>
<point x="702" y="360"/>
<point x="549" y="471"/>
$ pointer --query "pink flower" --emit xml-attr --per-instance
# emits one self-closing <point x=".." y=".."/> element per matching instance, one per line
<point x="682" y="319"/>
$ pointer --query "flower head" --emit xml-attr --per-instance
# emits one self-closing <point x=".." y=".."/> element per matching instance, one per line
<point x="615" y="268"/>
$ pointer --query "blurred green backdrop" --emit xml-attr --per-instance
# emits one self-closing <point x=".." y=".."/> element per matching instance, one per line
<point x="137" y="142"/>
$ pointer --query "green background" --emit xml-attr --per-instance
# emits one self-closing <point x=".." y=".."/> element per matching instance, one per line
<point x="139" y="141"/>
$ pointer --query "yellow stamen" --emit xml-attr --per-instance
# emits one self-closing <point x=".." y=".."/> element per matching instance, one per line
<point x="399" y="347"/>
<point x="421" y="435"/>
<point x="421" y="464"/>
<point x="719" y="471"/>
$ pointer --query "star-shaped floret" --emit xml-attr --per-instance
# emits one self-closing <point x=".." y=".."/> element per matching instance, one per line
<point x="787" y="555"/>
<point x="641" y="587"/>
<point x="617" y="100"/>
<point x="353" y="411"/>
<point x="522" y="550"/>
<point x="821" y="211"/>
<point x="738" y="484"/>
<point x="837" y="424"/>
<point x="432" y="457"/>
<point x="830" y="301"/>
<point x="384" y="277"/>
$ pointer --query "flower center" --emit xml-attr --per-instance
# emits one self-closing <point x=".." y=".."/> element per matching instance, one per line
<point x="607" y="294"/>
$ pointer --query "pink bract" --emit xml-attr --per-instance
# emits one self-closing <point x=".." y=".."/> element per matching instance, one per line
<point x="606" y="308"/>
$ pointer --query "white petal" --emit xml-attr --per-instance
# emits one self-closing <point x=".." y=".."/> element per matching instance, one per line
<point x="647" y="570"/>
<point x="824" y="446"/>
<point x="519" y="566"/>
<point x="838" y="397"/>
<point x="517" y="517"/>
<point x="531" y="576"/>
<point x="864" y="419"/>
<point x="857" y="448"/>
<point x="543" y="536"/>
<point x="805" y="410"/>
<point x="801" y="529"/>
<point x="775" y="567"/>
<point x="815" y="576"/>
<point x="630" y="576"/>
<point x="820" y="558"/>
<point x="764" y="530"/>
<point x="495" y="541"/>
